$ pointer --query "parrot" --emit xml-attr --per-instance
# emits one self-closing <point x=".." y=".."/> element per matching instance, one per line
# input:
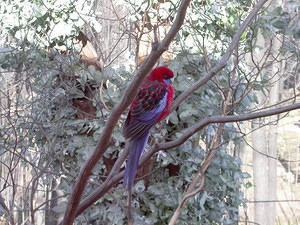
<point x="151" y="105"/>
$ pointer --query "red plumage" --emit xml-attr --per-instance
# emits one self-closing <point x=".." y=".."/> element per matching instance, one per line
<point x="151" y="105"/>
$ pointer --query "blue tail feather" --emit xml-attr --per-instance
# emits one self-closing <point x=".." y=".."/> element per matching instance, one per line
<point x="136" y="148"/>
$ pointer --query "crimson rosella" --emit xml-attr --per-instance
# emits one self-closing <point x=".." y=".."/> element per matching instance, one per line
<point x="151" y="105"/>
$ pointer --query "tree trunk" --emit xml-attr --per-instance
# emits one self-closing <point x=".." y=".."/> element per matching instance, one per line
<point x="260" y="171"/>
<point x="272" y="150"/>
<point x="260" y="149"/>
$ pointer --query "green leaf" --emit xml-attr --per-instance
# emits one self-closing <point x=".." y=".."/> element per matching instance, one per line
<point x="203" y="199"/>
<point x="173" y="117"/>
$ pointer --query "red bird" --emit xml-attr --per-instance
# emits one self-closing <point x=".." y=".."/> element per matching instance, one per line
<point x="151" y="105"/>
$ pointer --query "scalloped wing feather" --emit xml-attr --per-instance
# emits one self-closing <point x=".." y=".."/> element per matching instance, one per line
<point x="147" y="107"/>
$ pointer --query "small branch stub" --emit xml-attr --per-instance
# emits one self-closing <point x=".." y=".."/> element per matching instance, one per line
<point x="155" y="43"/>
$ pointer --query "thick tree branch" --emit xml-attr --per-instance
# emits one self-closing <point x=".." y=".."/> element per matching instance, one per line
<point x="127" y="98"/>
<point x="224" y="119"/>
<point x="87" y="202"/>
<point x="99" y="192"/>
<point x="223" y="62"/>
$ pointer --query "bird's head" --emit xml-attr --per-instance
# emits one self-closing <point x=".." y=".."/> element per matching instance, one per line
<point x="161" y="74"/>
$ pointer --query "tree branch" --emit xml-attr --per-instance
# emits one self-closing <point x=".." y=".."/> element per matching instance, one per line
<point x="214" y="146"/>
<point x="95" y="195"/>
<point x="224" y="119"/>
<point x="223" y="62"/>
<point x="127" y="98"/>
<point x="186" y="197"/>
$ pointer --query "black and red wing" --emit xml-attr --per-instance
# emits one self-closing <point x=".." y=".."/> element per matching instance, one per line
<point x="146" y="109"/>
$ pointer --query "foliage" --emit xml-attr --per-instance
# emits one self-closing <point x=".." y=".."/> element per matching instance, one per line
<point x="219" y="202"/>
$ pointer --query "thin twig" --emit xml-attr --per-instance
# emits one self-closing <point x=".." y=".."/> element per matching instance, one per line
<point x="101" y="95"/>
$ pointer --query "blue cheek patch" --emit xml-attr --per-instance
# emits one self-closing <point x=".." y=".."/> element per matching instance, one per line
<point x="167" y="81"/>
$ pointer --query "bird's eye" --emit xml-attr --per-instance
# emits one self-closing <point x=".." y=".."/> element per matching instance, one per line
<point x="166" y="76"/>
